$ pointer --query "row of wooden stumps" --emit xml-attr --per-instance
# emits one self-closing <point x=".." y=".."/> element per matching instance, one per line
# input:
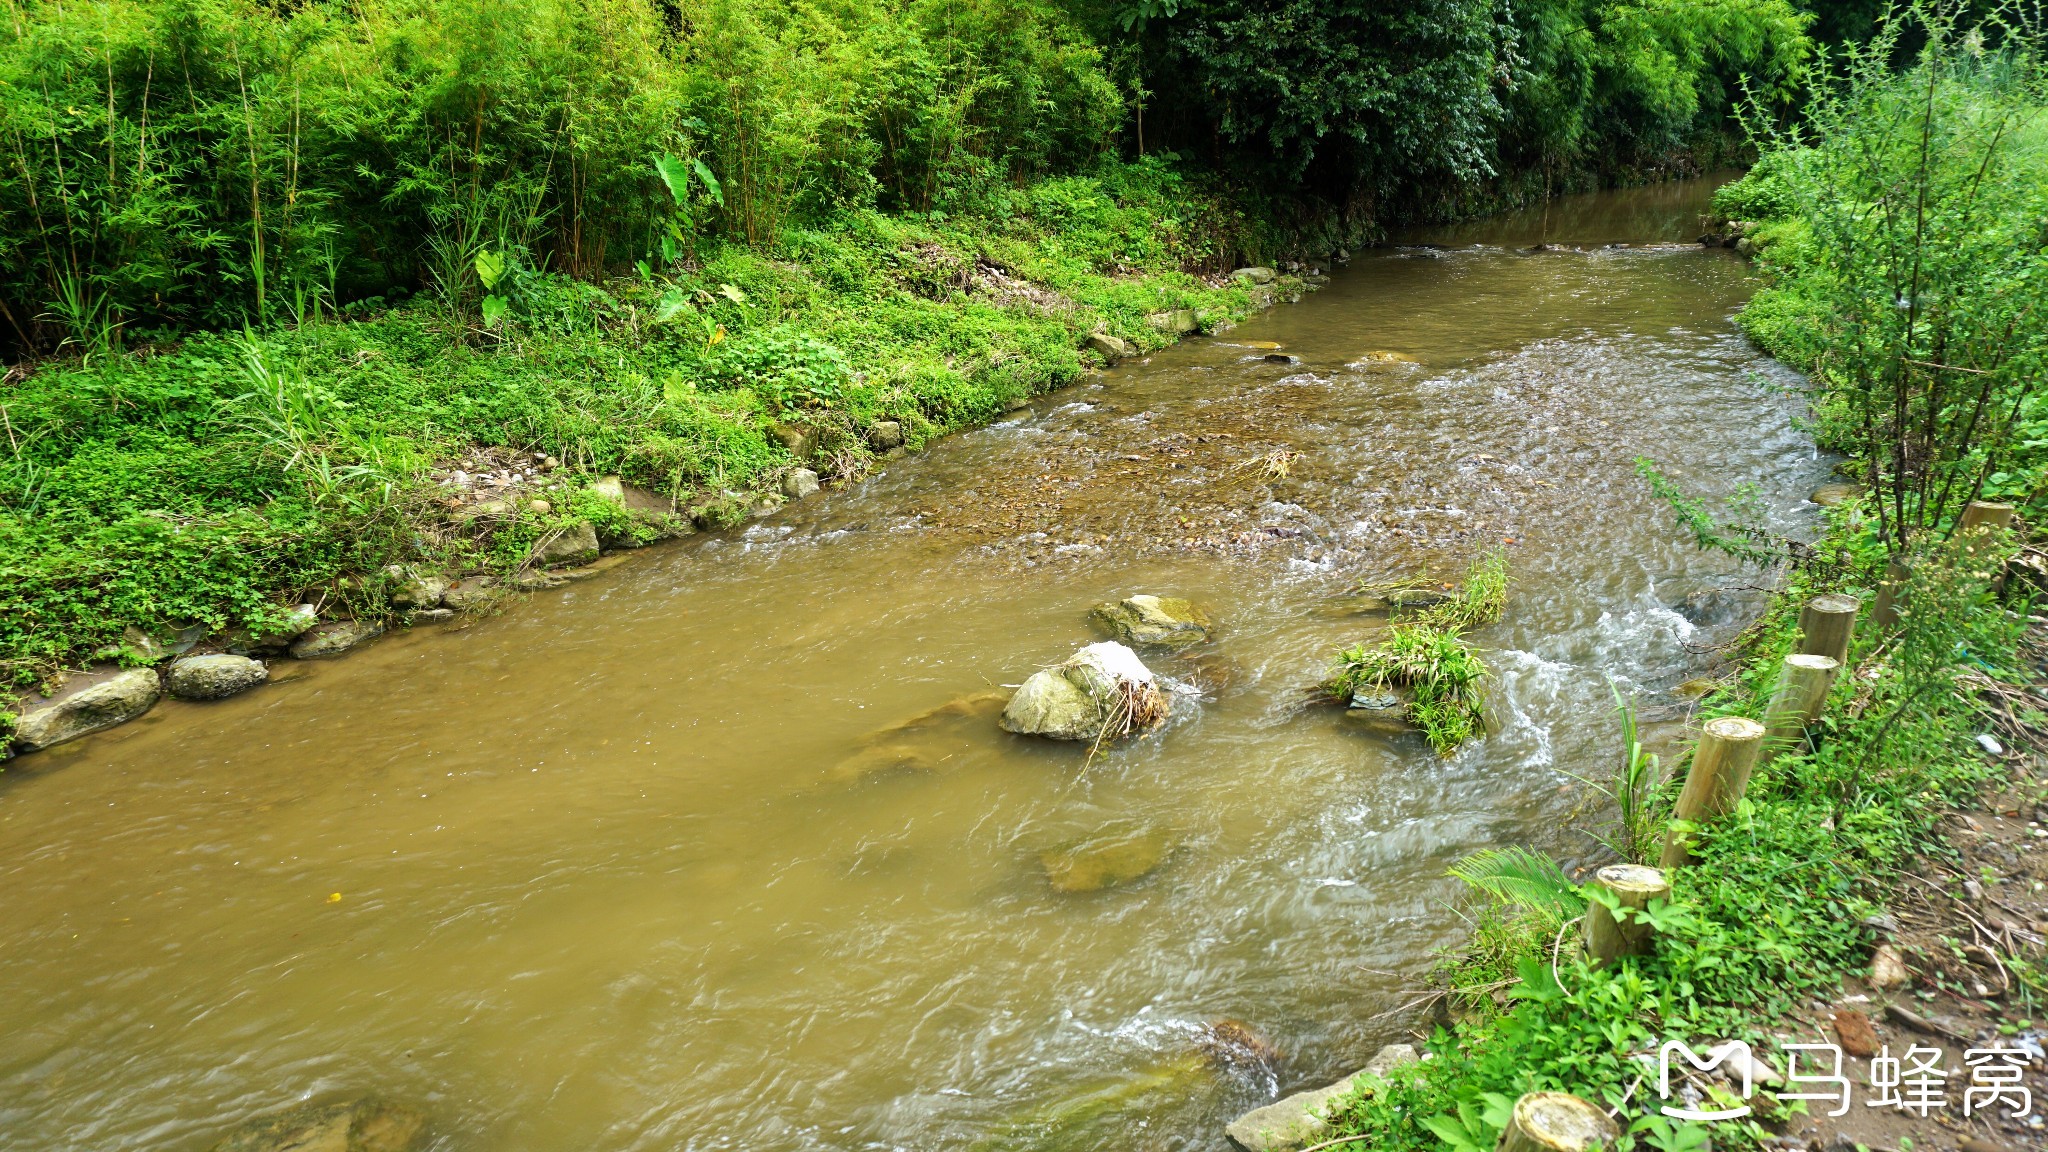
<point x="1729" y="750"/>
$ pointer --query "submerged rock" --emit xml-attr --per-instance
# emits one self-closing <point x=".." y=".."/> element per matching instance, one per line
<point x="1829" y="495"/>
<point x="1102" y="691"/>
<point x="1300" y="1119"/>
<point x="213" y="677"/>
<point x="923" y="742"/>
<point x="1234" y="1045"/>
<point x="116" y="700"/>
<point x="1104" y="862"/>
<point x="336" y="638"/>
<point x="1417" y="597"/>
<point x="360" y="1126"/>
<point x="1164" y="621"/>
<point x="575" y="544"/>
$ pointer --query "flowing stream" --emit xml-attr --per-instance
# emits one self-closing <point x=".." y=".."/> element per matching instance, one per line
<point x="628" y="866"/>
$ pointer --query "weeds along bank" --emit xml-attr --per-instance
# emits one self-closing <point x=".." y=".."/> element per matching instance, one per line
<point x="1901" y="235"/>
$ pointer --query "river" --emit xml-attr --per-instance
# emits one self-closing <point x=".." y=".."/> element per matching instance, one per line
<point x="611" y="870"/>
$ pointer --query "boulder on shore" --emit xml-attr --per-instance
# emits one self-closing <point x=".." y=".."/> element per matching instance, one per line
<point x="1102" y="691"/>
<point x="1256" y="274"/>
<point x="884" y="435"/>
<point x="116" y="700"/>
<point x="1110" y="348"/>
<point x="799" y="483"/>
<point x="1163" y="621"/>
<point x="575" y="544"/>
<point x="410" y="589"/>
<point x="298" y="620"/>
<point x="1300" y="1119"/>
<point x="213" y="677"/>
<point x="1175" y="322"/>
<point x="336" y="638"/>
<point x="359" y="1126"/>
<point x="1830" y="495"/>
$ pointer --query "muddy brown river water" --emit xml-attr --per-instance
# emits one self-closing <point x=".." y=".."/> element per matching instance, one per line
<point x="608" y="871"/>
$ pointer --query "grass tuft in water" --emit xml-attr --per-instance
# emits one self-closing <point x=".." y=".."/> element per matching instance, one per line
<point x="1429" y="660"/>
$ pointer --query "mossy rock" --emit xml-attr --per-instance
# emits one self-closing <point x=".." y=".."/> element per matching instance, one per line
<point x="1414" y="598"/>
<point x="1156" y="621"/>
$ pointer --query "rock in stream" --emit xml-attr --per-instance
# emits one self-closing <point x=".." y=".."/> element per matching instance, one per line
<point x="1161" y="621"/>
<point x="1298" y="1120"/>
<point x="1103" y="690"/>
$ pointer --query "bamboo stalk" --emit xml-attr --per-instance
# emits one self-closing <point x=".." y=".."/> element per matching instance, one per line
<point x="1721" y="766"/>
<point x="1635" y="885"/>
<point x="1557" y="1122"/>
<point x="1827" y="624"/>
<point x="1803" y="683"/>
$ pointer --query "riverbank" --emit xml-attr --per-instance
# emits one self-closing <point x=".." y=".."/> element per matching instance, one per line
<point x="1881" y="881"/>
<point x="304" y="487"/>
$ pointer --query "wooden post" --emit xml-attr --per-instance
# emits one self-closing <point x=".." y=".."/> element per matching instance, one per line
<point x="1826" y="625"/>
<point x="1803" y="685"/>
<point x="1982" y="516"/>
<point x="1557" y="1122"/>
<point x="1720" y="772"/>
<point x="1635" y="885"/>
<point x="1981" y="521"/>
<point x="1890" y="590"/>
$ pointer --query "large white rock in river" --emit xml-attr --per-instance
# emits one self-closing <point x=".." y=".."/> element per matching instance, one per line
<point x="1102" y="690"/>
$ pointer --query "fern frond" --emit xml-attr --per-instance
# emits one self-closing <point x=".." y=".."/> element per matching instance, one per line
<point x="1525" y="879"/>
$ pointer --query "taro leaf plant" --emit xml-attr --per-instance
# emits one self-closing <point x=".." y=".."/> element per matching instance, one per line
<point x="690" y="183"/>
